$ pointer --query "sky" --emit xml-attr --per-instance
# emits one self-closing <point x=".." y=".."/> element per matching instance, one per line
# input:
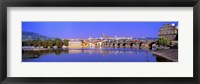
<point x="94" y="29"/>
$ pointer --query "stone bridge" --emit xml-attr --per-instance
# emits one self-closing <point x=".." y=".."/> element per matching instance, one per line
<point x="127" y="43"/>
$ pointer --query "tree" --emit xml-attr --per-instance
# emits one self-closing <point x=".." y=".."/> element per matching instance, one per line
<point x="39" y="43"/>
<point x="58" y="43"/>
<point x="35" y="44"/>
<point x="163" y="41"/>
<point x="45" y="44"/>
<point x="25" y="43"/>
<point x="30" y="43"/>
<point x="50" y="43"/>
<point x="66" y="42"/>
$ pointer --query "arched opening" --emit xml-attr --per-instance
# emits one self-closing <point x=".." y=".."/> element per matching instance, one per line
<point x="113" y="44"/>
<point x="150" y="45"/>
<point x="131" y="44"/>
<point x="124" y="44"/>
<point x="118" y="44"/>
<point x="106" y="44"/>
<point x="140" y="44"/>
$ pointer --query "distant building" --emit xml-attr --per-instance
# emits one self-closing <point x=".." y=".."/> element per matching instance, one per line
<point x="104" y="37"/>
<point x="169" y="31"/>
<point x="75" y="43"/>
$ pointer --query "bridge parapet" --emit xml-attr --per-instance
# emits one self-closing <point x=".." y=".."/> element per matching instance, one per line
<point x="128" y="43"/>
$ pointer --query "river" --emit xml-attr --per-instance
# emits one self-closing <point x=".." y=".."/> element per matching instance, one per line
<point x="91" y="55"/>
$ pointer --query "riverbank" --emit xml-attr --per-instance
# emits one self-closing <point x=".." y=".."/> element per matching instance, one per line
<point x="31" y="48"/>
<point x="170" y="54"/>
<point x="35" y="49"/>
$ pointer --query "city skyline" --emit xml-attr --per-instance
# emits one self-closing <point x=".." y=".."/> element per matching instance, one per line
<point x="94" y="29"/>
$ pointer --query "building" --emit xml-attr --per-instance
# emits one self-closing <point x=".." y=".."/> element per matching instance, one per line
<point x="169" y="31"/>
<point x="75" y="43"/>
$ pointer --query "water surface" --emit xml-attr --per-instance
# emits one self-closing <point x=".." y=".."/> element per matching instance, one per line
<point x="91" y="55"/>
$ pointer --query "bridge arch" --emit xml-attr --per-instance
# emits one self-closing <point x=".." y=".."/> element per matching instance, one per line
<point x="113" y="44"/>
<point x="118" y="44"/>
<point x="150" y="45"/>
<point x="124" y="44"/>
<point x="140" y="44"/>
<point x="132" y="44"/>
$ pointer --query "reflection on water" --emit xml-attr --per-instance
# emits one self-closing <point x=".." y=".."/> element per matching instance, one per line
<point x="91" y="55"/>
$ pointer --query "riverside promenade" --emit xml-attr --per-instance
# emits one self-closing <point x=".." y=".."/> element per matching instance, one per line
<point x="170" y="54"/>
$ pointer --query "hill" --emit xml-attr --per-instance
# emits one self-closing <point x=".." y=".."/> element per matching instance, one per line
<point x="33" y="36"/>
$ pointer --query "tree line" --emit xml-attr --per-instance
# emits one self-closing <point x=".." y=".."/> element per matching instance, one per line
<point x="46" y="43"/>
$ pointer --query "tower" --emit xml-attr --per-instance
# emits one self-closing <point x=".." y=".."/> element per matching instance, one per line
<point x="169" y="31"/>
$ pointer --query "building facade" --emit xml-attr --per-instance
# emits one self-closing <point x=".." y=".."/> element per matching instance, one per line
<point x="169" y="31"/>
<point x="75" y="43"/>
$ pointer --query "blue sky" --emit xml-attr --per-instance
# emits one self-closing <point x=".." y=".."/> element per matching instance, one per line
<point x="94" y="29"/>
